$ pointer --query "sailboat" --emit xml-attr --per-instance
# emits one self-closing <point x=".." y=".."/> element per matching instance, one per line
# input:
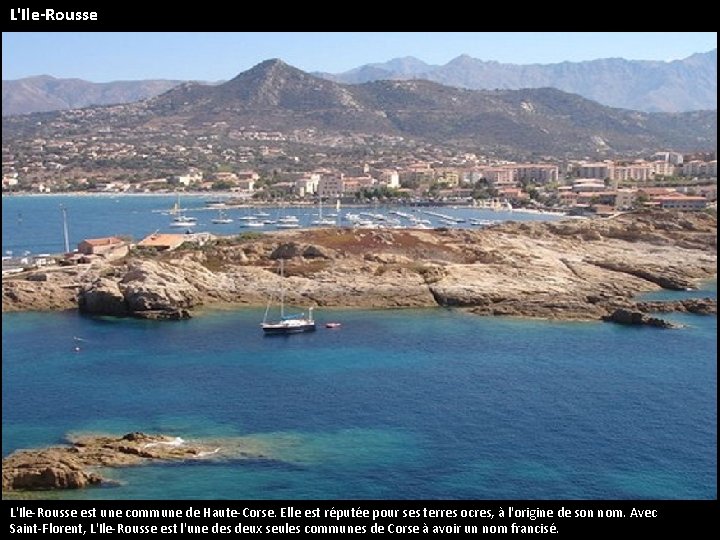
<point x="287" y="324"/>
<point x="222" y="218"/>
<point x="288" y="222"/>
<point x="337" y="209"/>
<point x="181" y="220"/>
<point x="320" y="221"/>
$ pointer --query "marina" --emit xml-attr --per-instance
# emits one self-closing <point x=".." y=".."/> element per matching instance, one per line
<point x="136" y="216"/>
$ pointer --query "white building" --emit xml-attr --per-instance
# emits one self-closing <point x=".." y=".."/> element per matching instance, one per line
<point x="307" y="185"/>
<point x="389" y="178"/>
<point x="330" y="186"/>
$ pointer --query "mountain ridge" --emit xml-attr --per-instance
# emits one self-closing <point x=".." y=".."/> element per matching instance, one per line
<point x="278" y="97"/>
<point x="651" y="86"/>
<point x="43" y="93"/>
<point x="682" y="85"/>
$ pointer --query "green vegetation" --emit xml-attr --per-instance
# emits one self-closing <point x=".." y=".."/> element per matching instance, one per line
<point x="222" y="185"/>
<point x="249" y="236"/>
<point x="379" y="193"/>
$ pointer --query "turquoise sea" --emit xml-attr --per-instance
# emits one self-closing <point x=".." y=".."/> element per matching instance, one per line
<point x="395" y="404"/>
<point x="416" y="404"/>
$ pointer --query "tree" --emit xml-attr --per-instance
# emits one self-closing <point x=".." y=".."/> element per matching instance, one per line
<point x="222" y="185"/>
<point x="641" y="200"/>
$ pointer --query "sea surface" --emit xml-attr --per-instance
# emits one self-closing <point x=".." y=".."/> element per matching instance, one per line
<point x="34" y="224"/>
<point x="395" y="404"/>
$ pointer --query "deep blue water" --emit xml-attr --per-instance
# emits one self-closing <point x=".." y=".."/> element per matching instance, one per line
<point x="417" y="404"/>
<point x="35" y="223"/>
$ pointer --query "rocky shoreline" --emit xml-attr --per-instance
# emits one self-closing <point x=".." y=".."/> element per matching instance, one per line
<point x="78" y="464"/>
<point x="566" y="270"/>
<point x="73" y="466"/>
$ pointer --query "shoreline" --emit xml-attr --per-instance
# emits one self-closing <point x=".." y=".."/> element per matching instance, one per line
<point x="274" y="204"/>
<point x="562" y="270"/>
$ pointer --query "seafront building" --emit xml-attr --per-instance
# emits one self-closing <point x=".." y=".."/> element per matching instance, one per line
<point x="570" y="186"/>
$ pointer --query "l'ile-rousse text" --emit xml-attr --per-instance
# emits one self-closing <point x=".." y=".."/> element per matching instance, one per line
<point x="26" y="14"/>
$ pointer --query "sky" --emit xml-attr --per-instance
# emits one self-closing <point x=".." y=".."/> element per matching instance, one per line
<point x="206" y="56"/>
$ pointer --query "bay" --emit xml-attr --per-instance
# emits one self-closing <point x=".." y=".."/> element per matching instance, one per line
<point x="396" y="404"/>
<point x="35" y="223"/>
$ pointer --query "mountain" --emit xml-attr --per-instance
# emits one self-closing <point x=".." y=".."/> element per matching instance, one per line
<point x="45" y="93"/>
<point x="398" y="68"/>
<point x="272" y="95"/>
<point x="276" y="96"/>
<point x="680" y="85"/>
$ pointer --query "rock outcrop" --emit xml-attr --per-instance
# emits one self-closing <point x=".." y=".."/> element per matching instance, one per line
<point x="74" y="466"/>
<point x="698" y="306"/>
<point x="637" y="318"/>
<point x="103" y="297"/>
<point x="565" y="270"/>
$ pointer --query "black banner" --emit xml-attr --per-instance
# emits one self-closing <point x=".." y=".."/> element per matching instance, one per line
<point x="357" y="517"/>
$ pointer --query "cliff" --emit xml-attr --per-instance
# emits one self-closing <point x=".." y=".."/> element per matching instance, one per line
<point x="572" y="269"/>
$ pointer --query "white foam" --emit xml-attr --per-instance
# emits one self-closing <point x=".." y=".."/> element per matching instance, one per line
<point x="177" y="441"/>
<point x="204" y="454"/>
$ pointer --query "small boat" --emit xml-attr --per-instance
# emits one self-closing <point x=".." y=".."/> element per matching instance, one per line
<point x="180" y="220"/>
<point x="288" y="219"/>
<point x="215" y="204"/>
<point x="222" y="219"/>
<point x="322" y="222"/>
<point x="183" y="221"/>
<point x="253" y="224"/>
<point x="333" y="325"/>
<point x="287" y="324"/>
<point x="288" y="222"/>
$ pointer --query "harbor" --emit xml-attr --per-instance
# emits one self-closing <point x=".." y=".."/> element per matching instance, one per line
<point x="34" y="225"/>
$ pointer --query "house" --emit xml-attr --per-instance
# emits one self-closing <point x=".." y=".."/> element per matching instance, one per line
<point x="107" y="247"/>
<point x="681" y="202"/>
<point x="163" y="242"/>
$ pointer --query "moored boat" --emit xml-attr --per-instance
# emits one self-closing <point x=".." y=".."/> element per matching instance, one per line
<point x="287" y="324"/>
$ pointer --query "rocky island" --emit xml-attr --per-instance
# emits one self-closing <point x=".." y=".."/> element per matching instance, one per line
<point x="566" y="270"/>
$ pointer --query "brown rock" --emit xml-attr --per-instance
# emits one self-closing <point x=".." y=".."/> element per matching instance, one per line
<point x="637" y="318"/>
<point x="69" y="467"/>
<point x="103" y="297"/>
<point x="317" y="252"/>
<point x="568" y="269"/>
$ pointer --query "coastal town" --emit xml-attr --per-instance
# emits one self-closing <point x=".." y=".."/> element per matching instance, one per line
<point x="665" y="179"/>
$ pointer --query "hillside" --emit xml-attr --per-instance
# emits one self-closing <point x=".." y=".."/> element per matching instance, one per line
<point x="45" y="93"/>
<point x="276" y="96"/>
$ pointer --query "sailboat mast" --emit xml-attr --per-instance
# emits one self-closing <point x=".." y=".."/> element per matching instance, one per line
<point x="65" y="229"/>
<point x="282" y="288"/>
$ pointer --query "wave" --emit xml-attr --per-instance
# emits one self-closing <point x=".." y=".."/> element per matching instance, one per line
<point x="209" y="453"/>
<point x="177" y="441"/>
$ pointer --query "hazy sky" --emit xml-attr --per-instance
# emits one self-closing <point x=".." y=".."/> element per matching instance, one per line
<point x="206" y="56"/>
